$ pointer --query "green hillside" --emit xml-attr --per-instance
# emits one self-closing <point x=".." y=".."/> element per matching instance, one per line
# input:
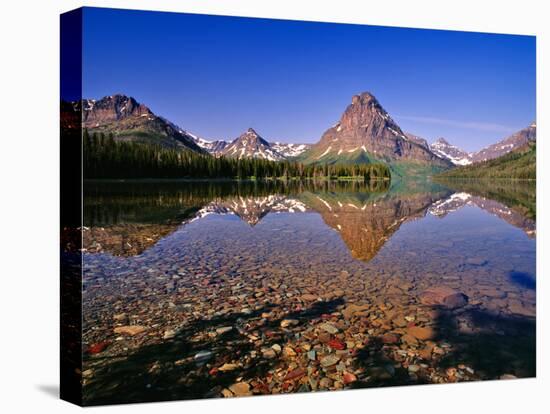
<point x="519" y="164"/>
<point x="411" y="169"/>
<point x="401" y="169"/>
<point x="312" y="156"/>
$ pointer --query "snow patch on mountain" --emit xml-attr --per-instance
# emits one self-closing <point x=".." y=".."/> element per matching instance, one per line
<point x="251" y="145"/>
<point x="289" y="150"/>
<point x="450" y="152"/>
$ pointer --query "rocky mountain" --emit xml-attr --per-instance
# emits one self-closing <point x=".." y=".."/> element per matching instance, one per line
<point x="130" y="120"/>
<point x="251" y="145"/>
<point x="450" y="152"/>
<point x="459" y="157"/>
<point x="366" y="132"/>
<point x="514" y="141"/>
<point x="265" y="149"/>
<point x="213" y="147"/>
<point x="419" y="140"/>
<point x="289" y="150"/>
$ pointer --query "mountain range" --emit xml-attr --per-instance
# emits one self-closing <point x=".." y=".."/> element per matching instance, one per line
<point x="460" y="157"/>
<point x="251" y="145"/>
<point x="364" y="133"/>
<point x="129" y="120"/>
<point x="520" y="163"/>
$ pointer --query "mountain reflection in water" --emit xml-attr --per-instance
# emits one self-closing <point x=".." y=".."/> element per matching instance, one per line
<point x="126" y="219"/>
<point x="196" y="290"/>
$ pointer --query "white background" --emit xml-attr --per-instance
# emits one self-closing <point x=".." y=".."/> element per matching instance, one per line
<point x="29" y="158"/>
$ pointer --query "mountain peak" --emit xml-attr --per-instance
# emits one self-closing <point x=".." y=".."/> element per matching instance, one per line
<point x="363" y="98"/>
<point x="442" y="148"/>
<point x="251" y="145"/>
<point x="119" y="96"/>
<point x="112" y="108"/>
<point x="366" y="132"/>
<point x="251" y="135"/>
<point x="441" y="140"/>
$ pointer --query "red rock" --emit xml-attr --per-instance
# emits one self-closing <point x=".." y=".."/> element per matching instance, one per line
<point x="349" y="378"/>
<point x="336" y="344"/>
<point x="98" y="347"/>
<point x="390" y="338"/>
<point x="295" y="374"/>
<point x="213" y="371"/>
<point x="261" y="388"/>
<point x="443" y="296"/>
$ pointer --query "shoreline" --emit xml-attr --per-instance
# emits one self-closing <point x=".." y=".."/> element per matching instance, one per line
<point x="484" y="179"/>
<point x="222" y="180"/>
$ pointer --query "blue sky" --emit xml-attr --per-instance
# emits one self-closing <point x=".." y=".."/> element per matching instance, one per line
<point x="216" y="76"/>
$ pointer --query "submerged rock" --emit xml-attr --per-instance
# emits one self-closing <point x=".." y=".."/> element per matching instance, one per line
<point x="329" y="360"/>
<point x="327" y="327"/>
<point x="285" y="323"/>
<point x="443" y="296"/>
<point x="224" y="329"/>
<point x="130" y="329"/>
<point x="422" y="333"/>
<point x="240" y="389"/>
<point x="350" y="310"/>
<point x="203" y="356"/>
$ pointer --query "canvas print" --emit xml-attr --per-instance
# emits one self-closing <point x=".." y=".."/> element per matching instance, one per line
<point x="255" y="206"/>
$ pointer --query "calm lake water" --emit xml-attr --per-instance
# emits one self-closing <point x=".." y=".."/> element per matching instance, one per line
<point x="196" y="290"/>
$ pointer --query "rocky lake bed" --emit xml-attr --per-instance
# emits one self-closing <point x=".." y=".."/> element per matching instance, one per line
<point x="248" y="294"/>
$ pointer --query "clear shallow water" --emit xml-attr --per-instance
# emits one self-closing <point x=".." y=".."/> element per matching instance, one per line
<point x="219" y="268"/>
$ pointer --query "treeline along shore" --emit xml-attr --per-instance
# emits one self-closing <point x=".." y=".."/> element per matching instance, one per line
<point x="104" y="158"/>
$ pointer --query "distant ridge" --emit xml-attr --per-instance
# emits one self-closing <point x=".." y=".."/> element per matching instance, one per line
<point x="508" y="144"/>
<point x="251" y="145"/>
<point x="459" y="157"/>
